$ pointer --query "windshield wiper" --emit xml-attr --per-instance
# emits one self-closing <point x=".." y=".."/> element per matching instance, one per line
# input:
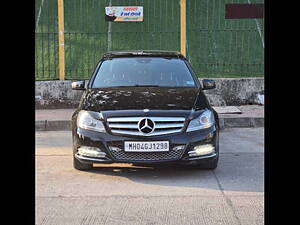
<point x="139" y="85"/>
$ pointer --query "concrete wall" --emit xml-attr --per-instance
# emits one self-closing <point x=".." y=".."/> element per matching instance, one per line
<point x="236" y="91"/>
<point x="56" y="94"/>
<point x="229" y="91"/>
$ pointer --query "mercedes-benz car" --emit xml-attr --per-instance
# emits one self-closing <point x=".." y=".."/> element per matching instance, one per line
<point x="144" y="108"/>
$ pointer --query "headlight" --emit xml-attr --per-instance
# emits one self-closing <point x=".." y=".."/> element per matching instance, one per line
<point x="205" y="120"/>
<point x="86" y="121"/>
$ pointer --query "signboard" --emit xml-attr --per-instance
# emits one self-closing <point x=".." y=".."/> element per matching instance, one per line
<point x="124" y="13"/>
<point x="244" y="11"/>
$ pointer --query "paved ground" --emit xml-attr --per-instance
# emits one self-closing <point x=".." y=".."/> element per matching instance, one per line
<point x="123" y="194"/>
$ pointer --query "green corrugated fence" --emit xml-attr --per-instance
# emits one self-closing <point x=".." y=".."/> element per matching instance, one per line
<point x="216" y="47"/>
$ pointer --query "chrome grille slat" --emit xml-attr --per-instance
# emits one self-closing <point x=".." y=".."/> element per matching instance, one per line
<point x="137" y="119"/>
<point x="119" y="125"/>
<point x="124" y="119"/>
<point x="161" y="126"/>
<point x="137" y="133"/>
<point x="129" y="125"/>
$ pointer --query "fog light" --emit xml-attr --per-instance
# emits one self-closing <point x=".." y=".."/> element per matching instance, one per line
<point x="91" y="152"/>
<point x="115" y="149"/>
<point x="202" y="150"/>
<point x="179" y="147"/>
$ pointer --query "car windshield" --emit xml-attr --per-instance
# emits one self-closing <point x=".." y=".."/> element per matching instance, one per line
<point x="143" y="71"/>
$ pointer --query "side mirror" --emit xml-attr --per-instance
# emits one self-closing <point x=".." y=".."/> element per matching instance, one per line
<point x="208" y="84"/>
<point x="78" y="85"/>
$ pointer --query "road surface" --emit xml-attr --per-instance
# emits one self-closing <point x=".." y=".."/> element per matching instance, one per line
<point x="124" y="194"/>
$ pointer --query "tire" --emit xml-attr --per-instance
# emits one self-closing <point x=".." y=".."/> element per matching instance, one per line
<point x="210" y="165"/>
<point x="81" y="166"/>
<point x="76" y="163"/>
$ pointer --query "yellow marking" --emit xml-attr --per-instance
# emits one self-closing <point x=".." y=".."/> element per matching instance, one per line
<point x="61" y="39"/>
<point x="183" y="27"/>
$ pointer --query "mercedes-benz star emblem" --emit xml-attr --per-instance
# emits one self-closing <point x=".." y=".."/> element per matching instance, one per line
<point x="146" y="126"/>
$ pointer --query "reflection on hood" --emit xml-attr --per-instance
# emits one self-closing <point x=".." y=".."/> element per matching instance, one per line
<point x="130" y="98"/>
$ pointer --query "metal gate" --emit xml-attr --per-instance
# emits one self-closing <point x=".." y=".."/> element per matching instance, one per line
<point x="88" y="36"/>
<point x="46" y="40"/>
<point x="219" y="47"/>
<point x="216" y="47"/>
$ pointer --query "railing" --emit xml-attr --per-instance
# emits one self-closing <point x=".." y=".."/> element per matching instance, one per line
<point x="215" y="46"/>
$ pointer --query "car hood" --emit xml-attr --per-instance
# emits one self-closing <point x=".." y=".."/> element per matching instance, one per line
<point x="131" y="98"/>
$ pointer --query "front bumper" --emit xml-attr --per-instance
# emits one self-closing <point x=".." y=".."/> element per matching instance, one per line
<point x="105" y="141"/>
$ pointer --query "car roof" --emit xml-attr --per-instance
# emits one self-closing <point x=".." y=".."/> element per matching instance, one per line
<point x="136" y="53"/>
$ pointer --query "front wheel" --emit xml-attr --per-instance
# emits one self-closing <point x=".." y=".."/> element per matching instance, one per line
<point x="76" y="163"/>
<point x="81" y="166"/>
<point x="209" y="165"/>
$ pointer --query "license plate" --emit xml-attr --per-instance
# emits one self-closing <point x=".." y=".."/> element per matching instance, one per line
<point x="146" y="146"/>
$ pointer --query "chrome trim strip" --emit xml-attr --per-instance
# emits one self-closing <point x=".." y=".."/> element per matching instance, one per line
<point x="124" y="125"/>
<point x="155" y="119"/>
<point x="201" y="157"/>
<point x="135" y="126"/>
<point x="137" y="133"/>
<point x="171" y="125"/>
<point x="92" y="158"/>
<point x="124" y="119"/>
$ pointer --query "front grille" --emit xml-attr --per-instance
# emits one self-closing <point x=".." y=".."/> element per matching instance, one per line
<point x="130" y="125"/>
<point x="146" y="156"/>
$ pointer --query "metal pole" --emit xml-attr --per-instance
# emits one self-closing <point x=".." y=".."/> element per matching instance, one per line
<point x="61" y="39"/>
<point x="183" y="27"/>
<point x="109" y="33"/>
